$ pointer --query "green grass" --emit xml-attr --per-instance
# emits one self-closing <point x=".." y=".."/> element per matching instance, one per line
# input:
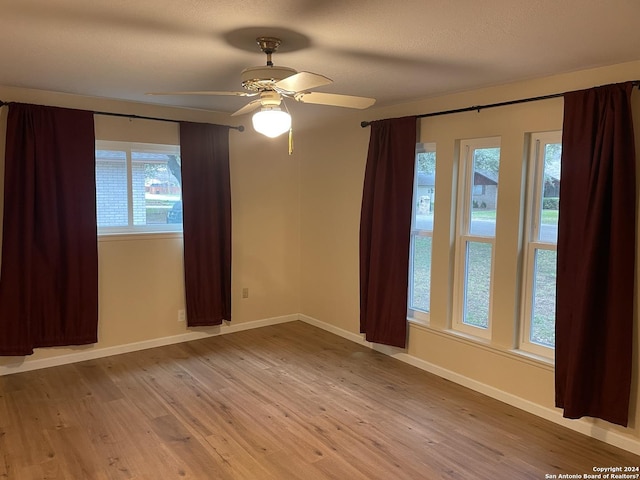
<point x="477" y="214"/>
<point x="549" y="217"/>
<point x="476" y="301"/>
<point x="544" y="307"/>
<point x="477" y="295"/>
<point x="422" y="274"/>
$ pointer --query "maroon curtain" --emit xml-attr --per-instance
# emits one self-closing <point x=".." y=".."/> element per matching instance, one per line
<point x="385" y="231"/>
<point x="49" y="276"/>
<point x="596" y="255"/>
<point x="206" y="198"/>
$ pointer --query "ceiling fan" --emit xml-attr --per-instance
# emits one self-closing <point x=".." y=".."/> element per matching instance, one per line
<point x="272" y="83"/>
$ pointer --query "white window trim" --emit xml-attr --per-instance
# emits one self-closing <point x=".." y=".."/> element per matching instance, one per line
<point x="463" y="237"/>
<point x="131" y="229"/>
<point x="417" y="314"/>
<point x="531" y="234"/>
<point x="140" y="229"/>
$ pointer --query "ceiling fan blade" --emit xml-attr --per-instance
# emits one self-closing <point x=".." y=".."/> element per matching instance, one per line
<point x="302" y="81"/>
<point x="252" y="105"/>
<point x="232" y="94"/>
<point x="335" y="100"/>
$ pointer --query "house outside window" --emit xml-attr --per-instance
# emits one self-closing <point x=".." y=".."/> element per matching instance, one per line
<point x="138" y="187"/>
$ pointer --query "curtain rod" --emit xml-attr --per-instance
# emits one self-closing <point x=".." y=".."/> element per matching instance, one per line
<point x="240" y="128"/>
<point x="635" y="83"/>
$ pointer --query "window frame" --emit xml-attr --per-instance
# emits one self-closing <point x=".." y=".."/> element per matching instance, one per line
<point x="463" y="237"/>
<point x="534" y="198"/>
<point x="128" y="147"/>
<point x="415" y="313"/>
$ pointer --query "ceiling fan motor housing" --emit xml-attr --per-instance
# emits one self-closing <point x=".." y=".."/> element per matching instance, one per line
<point x="273" y="83"/>
<point x="270" y="98"/>
<point x="257" y="79"/>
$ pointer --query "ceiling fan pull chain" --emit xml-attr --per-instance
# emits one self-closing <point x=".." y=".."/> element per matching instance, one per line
<point x="291" y="141"/>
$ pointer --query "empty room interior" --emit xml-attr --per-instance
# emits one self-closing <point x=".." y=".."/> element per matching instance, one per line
<point x="390" y="286"/>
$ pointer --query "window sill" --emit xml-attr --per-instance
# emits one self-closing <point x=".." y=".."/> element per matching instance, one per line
<point x="535" y="357"/>
<point x="485" y="344"/>
<point x="128" y="236"/>
<point x="418" y="322"/>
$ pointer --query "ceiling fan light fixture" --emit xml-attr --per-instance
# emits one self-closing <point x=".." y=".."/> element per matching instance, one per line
<point x="271" y="121"/>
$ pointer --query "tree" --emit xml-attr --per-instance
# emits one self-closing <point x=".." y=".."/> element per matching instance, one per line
<point x="159" y="170"/>
<point x="175" y="166"/>
<point x="427" y="162"/>
<point x="552" y="154"/>
<point x="487" y="159"/>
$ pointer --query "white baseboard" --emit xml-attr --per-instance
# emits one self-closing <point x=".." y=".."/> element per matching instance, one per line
<point x="92" y="352"/>
<point x="584" y="426"/>
<point x="354" y="337"/>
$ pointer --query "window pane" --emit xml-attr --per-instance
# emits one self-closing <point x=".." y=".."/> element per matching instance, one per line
<point x="422" y="226"/>
<point x="156" y="191"/>
<point x="425" y="194"/>
<point x="111" y="188"/>
<point x="477" y="284"/>
<point x="544" y="299"/>
<point x="548" y="231"/>
<point x="421" y="281"/>
<point x="484" y="192"/>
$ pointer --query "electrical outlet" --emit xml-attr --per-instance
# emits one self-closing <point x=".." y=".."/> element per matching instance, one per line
<point x="245" y="292"/>
<point x="182" y="315"/>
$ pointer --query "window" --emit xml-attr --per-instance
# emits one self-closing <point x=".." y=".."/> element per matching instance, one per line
<point x="138" y="187"/>
<point x="424" y="191"/>
<point x="541" y="234"/>
<point x="475" y="239"/>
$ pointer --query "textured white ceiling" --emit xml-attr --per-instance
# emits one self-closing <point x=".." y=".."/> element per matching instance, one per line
<point x="392" y="51"/>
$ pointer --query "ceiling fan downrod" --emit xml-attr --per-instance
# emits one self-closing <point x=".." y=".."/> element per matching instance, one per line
<point x="268" y="45"/>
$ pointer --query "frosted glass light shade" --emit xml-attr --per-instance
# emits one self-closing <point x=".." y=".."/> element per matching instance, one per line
<point x="271" y="121"/>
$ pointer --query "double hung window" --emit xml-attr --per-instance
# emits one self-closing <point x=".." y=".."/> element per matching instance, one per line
<point x="476" y="230"/>
<point x="541" y="233"/>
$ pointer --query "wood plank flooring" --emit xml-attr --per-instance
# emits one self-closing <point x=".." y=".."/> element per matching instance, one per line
<point x="284" y="402"/>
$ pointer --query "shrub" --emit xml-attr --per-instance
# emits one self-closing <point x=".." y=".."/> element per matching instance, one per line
<point x="550" y="203"/>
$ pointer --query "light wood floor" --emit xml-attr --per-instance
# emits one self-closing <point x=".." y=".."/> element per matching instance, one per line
<point x="283" y="402"/>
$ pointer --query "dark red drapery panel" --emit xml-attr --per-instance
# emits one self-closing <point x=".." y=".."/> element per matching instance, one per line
<point x="49" y="277"/>
<point x="206" y="199"/>
<point x="385" y="231"/>
<point x="596" y="252"/>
